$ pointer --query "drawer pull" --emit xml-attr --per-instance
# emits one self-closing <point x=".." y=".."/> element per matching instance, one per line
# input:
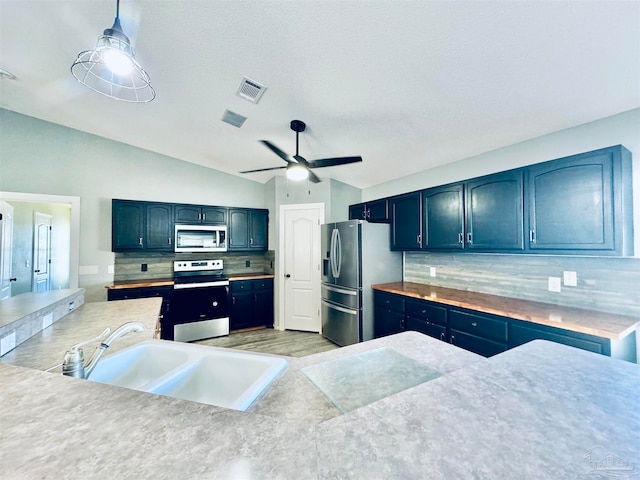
<point x="474" y="324"/>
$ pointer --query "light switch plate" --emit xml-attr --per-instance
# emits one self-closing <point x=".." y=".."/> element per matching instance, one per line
<point x="570" y="279"/>
<point x="555" y="284"/>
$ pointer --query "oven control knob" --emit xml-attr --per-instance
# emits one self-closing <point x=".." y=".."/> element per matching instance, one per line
<point x="215" y="304"/>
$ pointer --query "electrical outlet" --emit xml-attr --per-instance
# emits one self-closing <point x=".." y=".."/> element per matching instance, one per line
<point x="7" y="343"/>
<point x="432" y="271"/>
<point x="143" y="267"/>
<point x="47" y="320"/>
<point x="111" y="269"/>
<point x="555" y="284"/>
<point x="570" y="279"/>
<point x="247" y="263"/>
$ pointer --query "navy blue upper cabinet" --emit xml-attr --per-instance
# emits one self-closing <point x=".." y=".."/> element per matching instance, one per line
<point x="494" y="212"/>
<point x="375" y="211"/>
<point x="406" y="221"/>
<point x="443" y="209"/>
<point x="248" y="229"/>
<point x="141" y="226"/>
<point x="582" y="204"/>
<point x="200" y="214"/>
<point x="127" y="225"/>
<point x="159" y="227"/>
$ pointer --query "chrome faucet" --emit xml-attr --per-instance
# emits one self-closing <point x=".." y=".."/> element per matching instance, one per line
<point x="73" y="363"/>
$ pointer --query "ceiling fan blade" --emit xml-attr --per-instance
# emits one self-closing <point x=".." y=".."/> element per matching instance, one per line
<point x="263" y="169"/>
<point x="332" y="162"/>
<point x="277" y="151"/>
<point x="300" y="159"/>
<point x="313" y="178"/>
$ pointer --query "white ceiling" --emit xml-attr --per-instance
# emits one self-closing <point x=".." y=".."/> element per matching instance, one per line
<point x="407" y="85"/>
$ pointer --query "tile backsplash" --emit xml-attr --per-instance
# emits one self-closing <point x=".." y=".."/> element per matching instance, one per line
<point x="128" y="266"/>
<point x="604" y="284"/>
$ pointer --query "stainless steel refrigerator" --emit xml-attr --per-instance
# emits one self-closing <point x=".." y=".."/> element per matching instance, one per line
<point x="355" y="255"/>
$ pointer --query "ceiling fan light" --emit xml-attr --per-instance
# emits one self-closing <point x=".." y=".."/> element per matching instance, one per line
<point x="297" y="173"/>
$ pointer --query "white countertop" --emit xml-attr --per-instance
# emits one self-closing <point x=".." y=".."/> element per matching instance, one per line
<point x="539" y="411"/>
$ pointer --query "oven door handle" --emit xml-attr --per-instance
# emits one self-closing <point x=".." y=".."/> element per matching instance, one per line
<point x="182" y="286"/>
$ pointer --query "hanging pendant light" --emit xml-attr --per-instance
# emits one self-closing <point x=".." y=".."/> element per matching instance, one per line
<point x="111" y="68"/>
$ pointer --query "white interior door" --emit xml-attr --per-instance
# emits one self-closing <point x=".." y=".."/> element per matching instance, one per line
<point x="41" y="252"/>
<point x="301" y="254"/>
<point x="6" y="244"/>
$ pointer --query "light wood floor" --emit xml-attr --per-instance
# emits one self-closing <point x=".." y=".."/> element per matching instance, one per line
<point x="288" y="342"/>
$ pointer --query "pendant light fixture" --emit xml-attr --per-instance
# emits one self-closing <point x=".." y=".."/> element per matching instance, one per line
<point x="111" y="68"/>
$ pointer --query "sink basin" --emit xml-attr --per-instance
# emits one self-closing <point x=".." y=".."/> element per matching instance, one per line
<point x="215" y="376"/>
<point x="139" y="365"/>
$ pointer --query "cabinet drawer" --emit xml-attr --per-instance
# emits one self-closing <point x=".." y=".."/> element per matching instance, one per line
<point x="140" y="292"/>
<point x="241" y="285"/>
<point x="480" y="325"/>
<point x="390" y="301"/>
<point x="425" y="311"/>
<point x="263" y="283"/>
<point x="520" y="334"/>
<point x="475" y="344"/>
<point x="426" y="327"/>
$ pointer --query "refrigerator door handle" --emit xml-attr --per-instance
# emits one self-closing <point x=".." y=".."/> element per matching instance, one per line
<point x="332" y="253"/>
<point x="340" y="309"/>
<point x="338" y="253"/>
<point x="340" y="290"/>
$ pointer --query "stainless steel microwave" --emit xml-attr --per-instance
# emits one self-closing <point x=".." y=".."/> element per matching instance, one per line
<point x="201" y="238"/>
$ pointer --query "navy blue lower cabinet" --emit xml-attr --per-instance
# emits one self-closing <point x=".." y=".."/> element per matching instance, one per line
<point x="475" y="344"/>
<point x="482" y="325"/>
<point x="522" y="332"/>
<point x="428" y="328"/>
<point x="388" y="314"/>
<point x="425" y="317"/>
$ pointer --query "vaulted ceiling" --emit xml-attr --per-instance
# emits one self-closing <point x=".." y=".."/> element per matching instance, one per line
<point x="408" y="85"/>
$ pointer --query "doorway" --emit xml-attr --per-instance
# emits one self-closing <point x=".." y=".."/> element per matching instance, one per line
<point x="41" y="252"/>
<point x="73" y="203"/>
<point x="300" y="265"/>
<point x="6" y="246"/>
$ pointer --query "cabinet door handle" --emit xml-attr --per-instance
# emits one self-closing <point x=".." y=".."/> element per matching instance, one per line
<point x="532" y="236"/>
<point x="442" y="337"/>
<point x="453" y="337"/>
<point x="460" y="238"/>
<point x="251" y="241"/>
<point x="140" y="241"/>
<point x="474" y="324"/>
<point x="204" y="216"/>
<point x="368" y="213"/>
<point x="469" y="238"/>
<point x="169" y="240"/>
<point x="419" y="240"/>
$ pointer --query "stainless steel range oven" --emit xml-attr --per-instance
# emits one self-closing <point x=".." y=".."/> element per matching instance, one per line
<point x="200" y="301"/>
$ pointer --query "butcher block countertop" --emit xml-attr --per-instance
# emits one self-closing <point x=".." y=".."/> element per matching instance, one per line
<point x="161" y="282"/>
<point x="601" y="324"/>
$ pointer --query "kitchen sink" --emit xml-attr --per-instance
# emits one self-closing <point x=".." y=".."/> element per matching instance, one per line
<point x="215" y="376"/>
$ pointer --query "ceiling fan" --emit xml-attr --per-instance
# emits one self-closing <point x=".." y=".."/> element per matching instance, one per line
<point x="297" y="162"/>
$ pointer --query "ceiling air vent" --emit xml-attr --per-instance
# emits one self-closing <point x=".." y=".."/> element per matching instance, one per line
<point x="250" y="90"/>
<point x="233" y="118"/>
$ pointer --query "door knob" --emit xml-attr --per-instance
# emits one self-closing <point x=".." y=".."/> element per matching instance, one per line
<point x="287" y="275"/>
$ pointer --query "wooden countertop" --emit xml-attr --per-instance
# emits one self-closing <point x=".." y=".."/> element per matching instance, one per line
<point x="161" y="282"/>
<point x="601" y="324"/>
